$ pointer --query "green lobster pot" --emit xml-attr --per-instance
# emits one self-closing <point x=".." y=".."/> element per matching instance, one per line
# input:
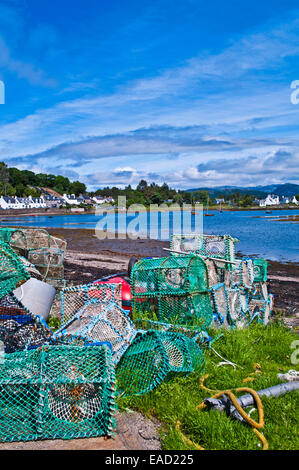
<point x="56" y="392"/>
<point x="156" y="357"/>
<point x="173" y="290"/>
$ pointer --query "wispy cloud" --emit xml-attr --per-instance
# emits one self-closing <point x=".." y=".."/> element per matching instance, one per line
<point x="23" y="69"/>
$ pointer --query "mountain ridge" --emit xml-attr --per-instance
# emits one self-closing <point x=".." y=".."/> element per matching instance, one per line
<point x="284" y="189"/>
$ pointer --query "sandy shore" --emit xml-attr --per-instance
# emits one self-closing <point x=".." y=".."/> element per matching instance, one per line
<point x="89" y="258"/>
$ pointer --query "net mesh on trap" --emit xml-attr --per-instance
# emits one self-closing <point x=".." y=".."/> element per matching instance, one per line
<point x="44" y="251"/>
<point x="76" y="298"/>
<point x="56" y="392"/>
<point x="12" y="270"/>
<point x="242" y="274"/>
<point x="220" y="303"/>
<point x="96" y="317"/>
<point x="156" y="357"/>
<point x="15" y="238"/>
<point x="19" y="328"/>
<point x="214" y="246"/>
<point x="173" y="290"/>
<point x="145" y="325"/>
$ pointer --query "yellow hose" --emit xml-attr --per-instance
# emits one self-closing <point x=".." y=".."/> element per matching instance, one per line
<point x="254" y="424"/>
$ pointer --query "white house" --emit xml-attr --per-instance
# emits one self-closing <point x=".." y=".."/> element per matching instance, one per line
<point x="271" y="200"/>
<point x="294" y="201"/>
<point x="8" y="202"/>
<point x="34" y="202"/>
<point x="285" y="200"/>
<point x="71" y="199"/>
<point x="102" y="200"/>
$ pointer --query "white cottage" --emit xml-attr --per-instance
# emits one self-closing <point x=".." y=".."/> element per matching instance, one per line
<point x="271" y="200"/>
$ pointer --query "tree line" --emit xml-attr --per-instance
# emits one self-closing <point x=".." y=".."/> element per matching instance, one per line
<point x="23" y="183"/>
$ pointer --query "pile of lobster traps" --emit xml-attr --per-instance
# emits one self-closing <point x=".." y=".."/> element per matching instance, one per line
<point x="202" y="279"/>
<point x="63" y="384"/>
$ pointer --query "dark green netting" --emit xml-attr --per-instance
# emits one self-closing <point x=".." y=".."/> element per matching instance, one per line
<point x="12" y="270"/>
<point x="56" y="392"/>
<point x="156" y="357"/>
<point x="172" y="290"/>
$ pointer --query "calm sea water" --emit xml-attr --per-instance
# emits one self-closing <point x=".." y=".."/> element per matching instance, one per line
<point x="259" y="233"/>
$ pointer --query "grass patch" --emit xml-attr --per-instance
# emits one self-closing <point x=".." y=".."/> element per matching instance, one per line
<point x="270" y="347"/>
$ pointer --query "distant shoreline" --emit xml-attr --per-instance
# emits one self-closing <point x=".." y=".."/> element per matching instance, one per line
<point x="15" y="213"/>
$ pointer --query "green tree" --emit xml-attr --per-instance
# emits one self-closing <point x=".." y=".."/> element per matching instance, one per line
<point x="77" y="188"/>
<point x="246" y="201"/>
<point x="20" y="190"/>
<point x="4" y="176"/>
<point x="142" y="185"/>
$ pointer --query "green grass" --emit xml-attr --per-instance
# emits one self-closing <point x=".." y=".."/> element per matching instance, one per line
<point x="270" y="347"/>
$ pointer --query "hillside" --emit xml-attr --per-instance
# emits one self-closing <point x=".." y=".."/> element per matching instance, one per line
<point x="287" y="189"/>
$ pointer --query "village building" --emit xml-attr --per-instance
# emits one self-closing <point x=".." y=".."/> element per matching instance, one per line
<point x="271" y="200"/>
<point x="71" y="199"/>
<point x="12" y="202"/>
<point x="102" y="200"/>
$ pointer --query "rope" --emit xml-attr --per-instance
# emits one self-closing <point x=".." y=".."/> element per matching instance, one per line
<point x="251" y="422"/>
<point x="225" y="361"/>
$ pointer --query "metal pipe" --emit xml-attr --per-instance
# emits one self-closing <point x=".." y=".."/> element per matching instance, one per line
<point x="201" y="256"/>
<point x="225" y="404"/>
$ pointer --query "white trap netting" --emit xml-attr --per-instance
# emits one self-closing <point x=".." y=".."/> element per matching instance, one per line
<point x="96" y="317"/>
<point x="214" y="246"/>
<point x="75" y="300"/>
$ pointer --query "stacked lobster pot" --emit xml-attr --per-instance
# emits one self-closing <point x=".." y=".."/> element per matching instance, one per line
<point x="42" y="254"/>
<point x="172" y="294"/>
<point x="57" y="392"/>
<point x="238" y="287"/>
<point x="47" y="390"/>
<point x="19" y="328"/>
<point x="46" y="253"/>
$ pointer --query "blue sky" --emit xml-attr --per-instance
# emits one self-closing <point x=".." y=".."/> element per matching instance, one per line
<point x="190" y="92"/>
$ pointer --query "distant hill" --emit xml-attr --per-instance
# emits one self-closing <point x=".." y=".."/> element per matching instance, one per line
<point x="287" y="189"/>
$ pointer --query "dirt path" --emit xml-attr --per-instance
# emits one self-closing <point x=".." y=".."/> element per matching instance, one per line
<point x="134" y="432"/>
